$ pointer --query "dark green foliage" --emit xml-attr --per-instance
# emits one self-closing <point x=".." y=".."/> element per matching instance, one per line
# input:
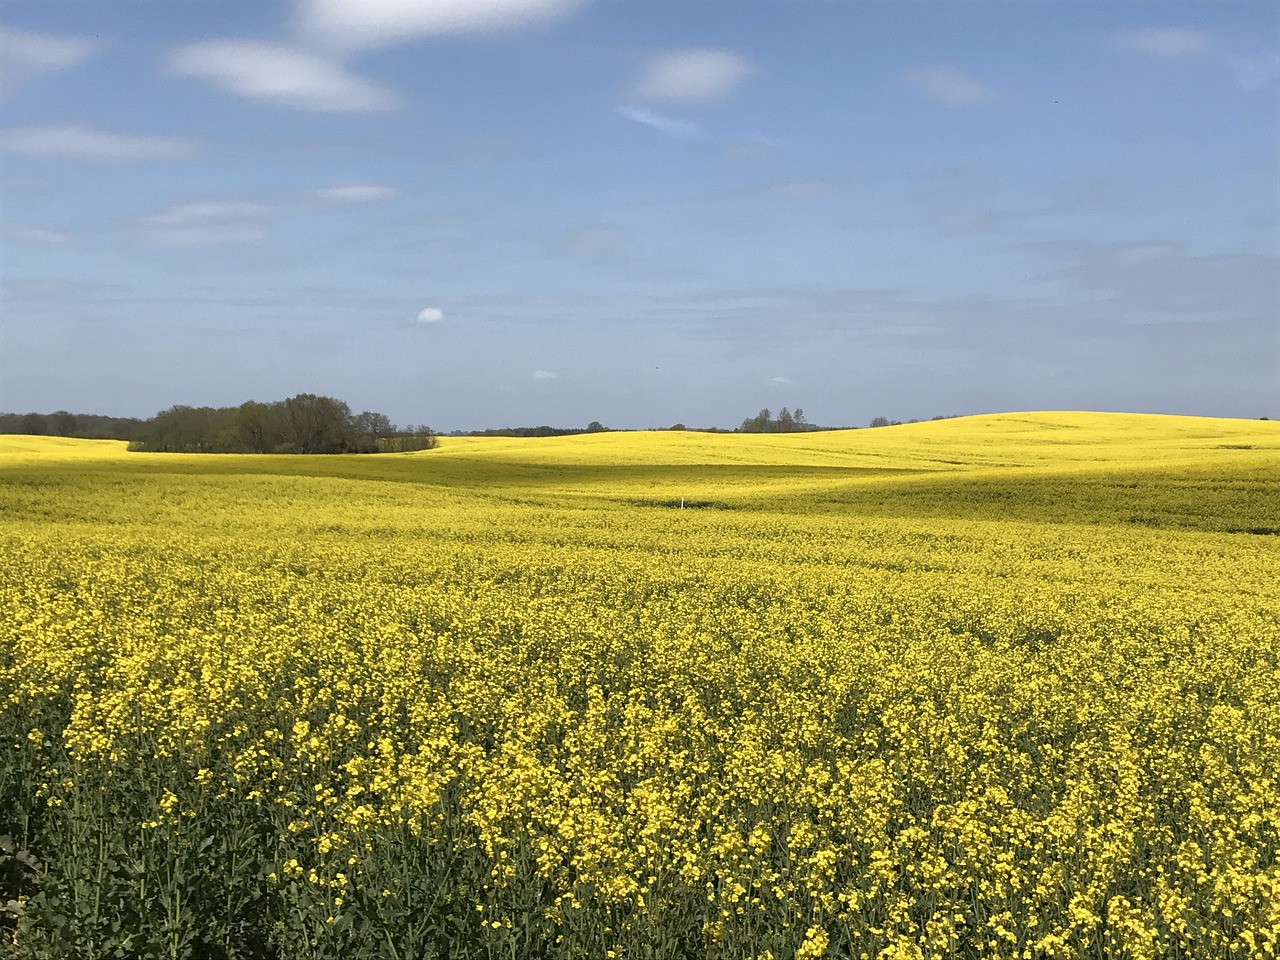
<point x="84" y="426"/>
<point x="786" y="422"/>
<point x="305" y="423"/>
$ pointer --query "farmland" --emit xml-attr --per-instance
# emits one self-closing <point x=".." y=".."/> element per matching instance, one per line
<point x="998" y="686"/>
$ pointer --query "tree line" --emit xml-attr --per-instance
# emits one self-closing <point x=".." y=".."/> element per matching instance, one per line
<point x="61" y="423"/>
<point x="595" y="426"/>
<point x="307" y="423"/>
<point x="784" y="422"/>
<point x="304" y="423"/>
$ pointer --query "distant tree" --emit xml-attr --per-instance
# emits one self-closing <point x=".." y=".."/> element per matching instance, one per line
<point x="183" y="429"/>
<point x="595" y="426"/>
<point x="409" y="439"/>
<point x="250" y="430"/>
<point x="879" y="421"/>
<point x="374" y="424"/>
<point x="60" y="423"/>
<point x="369" y="431"/>
<point x="677" y="426"/>
<point x="786" y="422"/>
<point x="304" y="423"/>
<point x="315" y="424"/>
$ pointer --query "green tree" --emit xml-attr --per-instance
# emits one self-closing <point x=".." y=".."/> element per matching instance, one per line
<point x="60" y="423"/>
<point x="313" y="424"/>
<point x="251" y="427"/>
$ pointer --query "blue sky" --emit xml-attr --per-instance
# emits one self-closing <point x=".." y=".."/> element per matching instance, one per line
<point x="476" y="213"/>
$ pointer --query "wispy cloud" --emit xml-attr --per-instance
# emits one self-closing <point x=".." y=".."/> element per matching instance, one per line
<point x="480" y="151"/>
<point x="1085" y="195"/>
<point x="25" y="55"/>
<point x="691" y="76"/>
<point x="430" y="315"/>
<point x="1166" y="41"/>
<point x="958" y="204"/>
<point x="1256" y="72"/>
<point x="24" y="233"/>
<point x="246" y="219"/>
<point x="208" y="221"/>
<point x="281" y="75"/>
<point x="74" y="141"/>
<point x="950" y="86"/>
<point x="544" y="374"/>
<point x="751" y="148"/>
<point x="363" y="24"/>
<point x="593" y="241"/>
<point x="814" y="187"/>
<point x="354" y="193"/>
<point x="668" y="125"/>
<point x="778" y="382"/>
<point x="1160" y="282"/>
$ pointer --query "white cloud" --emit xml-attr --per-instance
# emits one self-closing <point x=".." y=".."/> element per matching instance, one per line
<point x="206" y="221"/>
<point x="778" y="382"/>
<point x="544" y="374"/>
<point x="430" y="315"/>
<point x="1167" y="41"/>
<point x="356" y="193"/>
<point x="667" y="125"/>
<point x="25" y="55"/>
<point x="362" y="24"/>
<point x="73" y="141"/>
<point x="949" y="86"/>
<point x="691" y="76"/>
<point x="281" y="75"/>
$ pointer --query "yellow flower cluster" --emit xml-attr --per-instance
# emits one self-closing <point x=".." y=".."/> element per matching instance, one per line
<point x="996" y="687"/>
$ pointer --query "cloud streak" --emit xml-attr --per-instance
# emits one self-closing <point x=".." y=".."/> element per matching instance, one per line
<point x="25" y="55"/>
<point x="208" y="221"/>
<point x="280" y="75"/>
<point x="356" y="193"/>
<point x="24" y="233"/>
<point x="366" y="24"/>
<point x="75" y="141"/>
<point x="664" y="124"/>
<point x="691" y="76"/>
<point x="593" y="241"/>
<point x="1166" y="41"/>
<point x="1254" y="73"/>
<point x="949" y="86"/>
<point x="814" y="187"/>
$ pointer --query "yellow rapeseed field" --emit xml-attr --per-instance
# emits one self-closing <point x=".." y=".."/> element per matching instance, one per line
<point x="1001" y="686"/>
